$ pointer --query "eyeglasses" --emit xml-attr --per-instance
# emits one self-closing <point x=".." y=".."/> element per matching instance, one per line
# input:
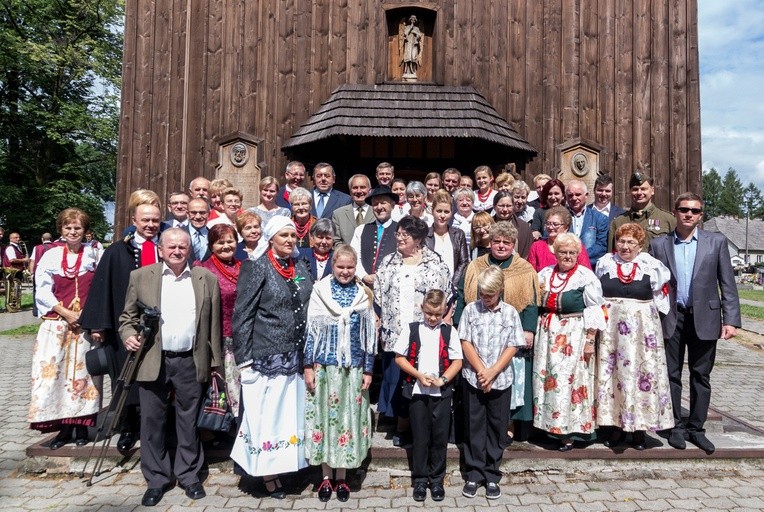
<point x="627" y="243"/>
<point x="232" y="203"/>
<point x="400" y="235"/>
<point x="481" y="228"/>
<point x="686" y="209"/>
<point x="566" y="253"/>
<point x="501" y="242"/>
<point x="553" y="224"/>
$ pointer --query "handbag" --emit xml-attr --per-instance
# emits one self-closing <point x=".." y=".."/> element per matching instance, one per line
<point x="215" y="413"/>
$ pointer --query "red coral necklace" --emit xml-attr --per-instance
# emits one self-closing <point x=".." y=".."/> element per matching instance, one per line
<point x="626" y="279"/>
<point x="556" y="288"/>
<point x="230" y="272"/>
<point x="71" y="272"/>
<point x="286" y="273"/>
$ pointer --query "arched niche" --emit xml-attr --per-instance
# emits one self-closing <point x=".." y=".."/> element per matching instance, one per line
<point x="400" y="36"/>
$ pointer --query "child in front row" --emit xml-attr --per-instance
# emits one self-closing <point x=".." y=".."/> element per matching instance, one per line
<point x="430" y="356"/>
<point x="491" y="332"/>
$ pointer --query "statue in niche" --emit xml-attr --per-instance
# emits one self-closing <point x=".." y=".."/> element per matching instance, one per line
<point x="410" y="43"/>
<point x="239" y="154"/>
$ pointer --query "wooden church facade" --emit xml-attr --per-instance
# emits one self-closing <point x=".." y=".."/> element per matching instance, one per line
<point x="617" y="78"/>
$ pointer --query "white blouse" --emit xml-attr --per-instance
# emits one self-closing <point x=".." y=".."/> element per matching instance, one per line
<point x="49" y="266"/>
<point x="646" y="265"/>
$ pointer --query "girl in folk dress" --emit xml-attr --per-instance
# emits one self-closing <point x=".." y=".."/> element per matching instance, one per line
<point x="65" y="398"/>
<point x="339" y="361"/>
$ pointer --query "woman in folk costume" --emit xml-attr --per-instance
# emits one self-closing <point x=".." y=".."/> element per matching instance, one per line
<point x="65" y="398"/>
<point x="268" y="324"/>
<point x="339" y="361"/>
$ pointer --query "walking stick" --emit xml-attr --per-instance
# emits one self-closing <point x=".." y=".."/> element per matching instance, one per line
<point x="146" y="331"/>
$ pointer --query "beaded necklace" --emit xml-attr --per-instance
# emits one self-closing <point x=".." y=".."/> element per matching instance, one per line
<point x="70" y="272"/>
<point x="560" y="287"/>
<point x="484" y="197"/>
<point x="626" y="279"/>
<point x="320" y="257"/>
<point x="230" y="272"/>
<point x="286" y="273"/>
<point x="302" y="229"/>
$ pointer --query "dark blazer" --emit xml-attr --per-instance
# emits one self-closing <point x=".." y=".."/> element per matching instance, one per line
<point x="336" y="200"/>
<point x="146" y="286"/>
<point x="344" y="224"/>
<point x="615" y="211"/>
<point x="306" y="254"/>
<point x="711" y="272"/>
<point x="594" y="234"/>
<point x="280" y="201"/>
<point x="461" y="254"/>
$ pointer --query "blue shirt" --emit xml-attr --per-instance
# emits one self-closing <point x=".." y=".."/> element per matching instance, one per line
<point x="684" y="257"/>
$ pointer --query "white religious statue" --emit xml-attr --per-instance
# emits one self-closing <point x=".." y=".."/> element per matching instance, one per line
<point x="411" y="40"/>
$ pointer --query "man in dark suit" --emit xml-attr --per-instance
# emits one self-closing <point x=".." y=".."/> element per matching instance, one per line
<point x="325" y="198"/>
<point x="198" y="214"/>
<point x="603" y="195"/>
<point x="295" y="177"/>
<point x="588" y="224"/>
<point x="349" y="217"/>
<point x="700" y="269"/>
<point x="185" y="348"/>
<point x="177" y="216"/>
<point x="376" y="239"/>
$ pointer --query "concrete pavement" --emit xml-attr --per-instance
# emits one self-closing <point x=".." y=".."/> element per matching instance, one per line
<point x="545" y="483"/>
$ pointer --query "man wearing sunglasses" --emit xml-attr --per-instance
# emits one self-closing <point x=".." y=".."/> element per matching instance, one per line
<point x="700" y="269"/>
<point x="655" y="221"/>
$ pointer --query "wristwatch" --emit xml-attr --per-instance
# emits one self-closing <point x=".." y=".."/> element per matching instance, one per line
<point x="445" y="379"/>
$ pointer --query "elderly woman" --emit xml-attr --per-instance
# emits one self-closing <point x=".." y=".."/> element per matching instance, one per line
<point x="217" y="208"/>
<point x="521" y="291"/>
<point x="480" y="241"/>
<point x="632" y="378"/>
<point x="523" y="211"/>
<point x="268" y="324"/>
<point x="552" y="194"/>
<point x="556" y="221"/>
<point x="65" y="398"/>
<point x="563" y="366"/>
<point x="399" y="285"/>
<point x="249" y="225"/>
<point x="319" y="254"/>
<point x="503" y="209"/>
<point x="464" y="198"/>
<point x="231" y="199"/>
<point x="267" y="209"/>
<point x="339" y="361"/>
<point x="223" y="264"/>
<point x="416" y="194"/>
<point x="448" y="242"/>
<point x="301" y="201"/>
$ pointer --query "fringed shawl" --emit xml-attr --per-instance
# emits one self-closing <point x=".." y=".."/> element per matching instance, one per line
<point x="521" y="283"/>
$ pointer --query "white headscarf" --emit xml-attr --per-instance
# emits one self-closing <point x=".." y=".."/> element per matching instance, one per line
<point x="276" y="224"/>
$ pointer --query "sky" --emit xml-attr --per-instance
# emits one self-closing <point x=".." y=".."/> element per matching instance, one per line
<point x="731" y="43"/>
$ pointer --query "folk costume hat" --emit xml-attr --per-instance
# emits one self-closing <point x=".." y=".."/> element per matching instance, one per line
<point x="276" y="224"/>
<point x="382" y="191"/>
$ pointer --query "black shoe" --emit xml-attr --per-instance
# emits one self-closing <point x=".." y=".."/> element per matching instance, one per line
<point x="278" y="492"/>
<point x="126" y="441"/>
<point x="63" y="438"/>
<point x="152" y="496"/>
<point x="195" y="491"/>
<point x="401" y="439"/>
<point x="615" y="439"/>
<point x="492" y="491"/>
<point x="420" y="491"/>
<point x="437" y="491"/>
<point x="638" y="440"/>
<point x="343" y="491"/>
<point x="325" y="490"/>
<point x="470" y="489"/>
<point x="565" y="447"/>
<point x="676" y="439"/>
<point x="81" y="435"/>
<point x="700" y="440"/>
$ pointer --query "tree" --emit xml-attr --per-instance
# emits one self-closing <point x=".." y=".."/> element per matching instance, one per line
<point x="60" y="69"/>
<point x="730" y="197"/>
<point x="752" y="201"/>
<point x="712" y="188"/>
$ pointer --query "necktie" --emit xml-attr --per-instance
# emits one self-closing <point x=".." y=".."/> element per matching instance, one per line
<point x="359" y="216"/>
<point x="198" y="244"/>
<point x="148" y="253"/>
<point x="321" y="203"/>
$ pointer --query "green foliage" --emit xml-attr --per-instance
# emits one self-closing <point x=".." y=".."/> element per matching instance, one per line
<point x="712" y="189"/>
<point x="752" y="201"/>
<point x="730" y="197"/>
<point x="60" y="68"/>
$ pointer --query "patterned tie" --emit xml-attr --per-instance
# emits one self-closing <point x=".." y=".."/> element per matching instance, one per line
<point x="148" y="253"/>
<point x="359" y="216"/>
<point x="198" y="244"/>
<point x="321" y="203"/>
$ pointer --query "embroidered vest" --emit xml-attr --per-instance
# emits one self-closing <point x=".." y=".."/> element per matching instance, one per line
<point x="373" y="250"/>
<point x="414" y="344"/>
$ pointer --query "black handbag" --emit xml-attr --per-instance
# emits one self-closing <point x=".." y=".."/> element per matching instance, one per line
<point x="215" y="413"/>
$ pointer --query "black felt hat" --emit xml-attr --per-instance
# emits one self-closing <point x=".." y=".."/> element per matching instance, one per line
<point x="382" y="191"/>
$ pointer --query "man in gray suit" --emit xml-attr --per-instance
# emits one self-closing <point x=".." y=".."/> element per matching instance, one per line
<point x="349" y="217"/>
<point x="700" y="268"/>
<point x="185" y="348"/>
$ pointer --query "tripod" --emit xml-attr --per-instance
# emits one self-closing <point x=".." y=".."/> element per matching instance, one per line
<point x="146" y="331"/>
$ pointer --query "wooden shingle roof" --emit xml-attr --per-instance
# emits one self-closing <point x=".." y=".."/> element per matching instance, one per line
<point x="734" y="229"/>
<point x="408" y="110"/>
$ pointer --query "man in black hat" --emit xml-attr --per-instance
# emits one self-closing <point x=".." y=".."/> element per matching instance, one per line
<point x="656" y="222"/>
<point x="376" y="239"/>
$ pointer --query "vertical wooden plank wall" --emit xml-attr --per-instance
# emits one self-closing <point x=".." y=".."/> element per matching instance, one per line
<point x="621" y="73"/>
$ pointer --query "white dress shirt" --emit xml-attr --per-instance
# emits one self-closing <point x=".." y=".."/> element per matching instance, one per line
<point x="178" y="307"/>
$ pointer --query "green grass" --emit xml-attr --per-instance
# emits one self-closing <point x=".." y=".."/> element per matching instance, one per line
<point x="24" y="330"/>
<point x="752" y="311"/>
<point x="26" y="300"/>
<point x="751" y="294"/>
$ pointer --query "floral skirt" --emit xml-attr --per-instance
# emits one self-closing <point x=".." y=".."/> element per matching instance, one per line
<point x="232" y="376"/>
<point x="632" y="379"/>
<point x="563" y="382"/>
<point x="62" y="388"/>
<point x="337" y="418"/>
<point x="270" y="439"/>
